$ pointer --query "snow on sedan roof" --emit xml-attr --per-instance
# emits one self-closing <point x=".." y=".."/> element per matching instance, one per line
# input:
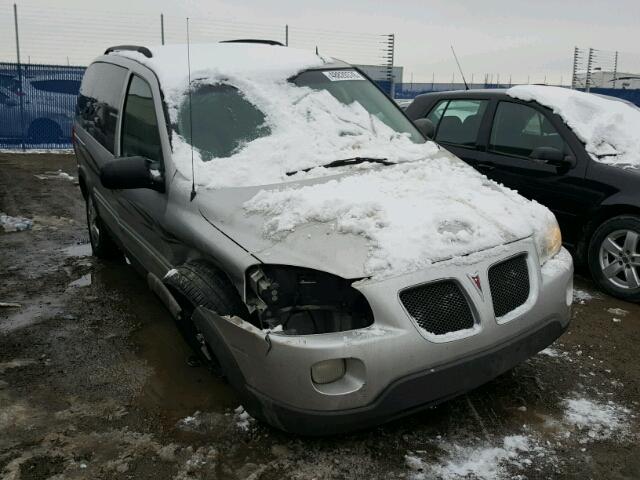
<point x="609" y="129"/>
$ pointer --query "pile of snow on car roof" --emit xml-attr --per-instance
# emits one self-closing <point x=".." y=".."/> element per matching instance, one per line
<point x="610" y="129"/>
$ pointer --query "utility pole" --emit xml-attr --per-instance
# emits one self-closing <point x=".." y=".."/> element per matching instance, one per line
<point x="615" y="70"/>
<point x="162" y="28"/>
<point x="21" y="99"/>
<point x="286" y="35"/>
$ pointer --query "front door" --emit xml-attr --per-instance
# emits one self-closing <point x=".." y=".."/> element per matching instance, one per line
<point x="519" y="129"/>
<point x="142" y="210"/>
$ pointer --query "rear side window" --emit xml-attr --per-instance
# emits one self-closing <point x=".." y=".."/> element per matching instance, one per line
<point x="460" y="121"/>
<point x="70" y="87"/>
<point x="519" y="129"/>
<point x="99" y="101"/>
<point x="140" y="134"/>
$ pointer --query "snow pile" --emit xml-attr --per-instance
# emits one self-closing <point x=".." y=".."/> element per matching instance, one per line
<point x="14" y="224"/>
<point x="581" y="296"/>
<point x="242" y="418"/>
<point x="308" y="127"/>
<point x="599" y="421"/>
<point x="610" y="129"/>
<point x="482" y="463"/>
<point x="412" y="214"/>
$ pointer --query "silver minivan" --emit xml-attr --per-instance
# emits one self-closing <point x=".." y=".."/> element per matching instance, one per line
<point x="338" y="269"/>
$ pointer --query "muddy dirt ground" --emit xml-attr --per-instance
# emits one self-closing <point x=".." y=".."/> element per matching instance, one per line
<point x="94" y="381"/>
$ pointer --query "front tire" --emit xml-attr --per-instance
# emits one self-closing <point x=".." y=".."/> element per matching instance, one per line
<point x="614" y="257"/>
<point x="102" y="245"/>
<point x="196" y="284"/>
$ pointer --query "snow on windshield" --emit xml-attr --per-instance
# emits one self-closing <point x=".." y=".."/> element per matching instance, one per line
<point x="609" y="129"/>
<point x="309" y="128"/>
<point x="412" y="214"/>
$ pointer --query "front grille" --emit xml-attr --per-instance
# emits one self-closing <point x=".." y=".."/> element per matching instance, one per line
<point x="509" y="283"/>
<point x="438" y="307"/>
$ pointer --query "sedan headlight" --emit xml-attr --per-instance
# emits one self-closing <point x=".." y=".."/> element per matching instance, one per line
<point x="548" y="241"/>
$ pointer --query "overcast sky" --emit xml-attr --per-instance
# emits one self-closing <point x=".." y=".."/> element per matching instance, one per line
<point x="511" y="38"/>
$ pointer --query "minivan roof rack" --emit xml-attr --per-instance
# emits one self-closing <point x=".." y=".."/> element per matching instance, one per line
<point x="136" y="48"/>
<point x="254" y="40"/>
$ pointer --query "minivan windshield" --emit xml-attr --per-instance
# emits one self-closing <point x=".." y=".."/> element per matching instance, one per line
<point x="224" y="120"/>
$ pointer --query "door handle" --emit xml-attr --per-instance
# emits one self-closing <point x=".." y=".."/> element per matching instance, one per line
<point x="485" y="166"/>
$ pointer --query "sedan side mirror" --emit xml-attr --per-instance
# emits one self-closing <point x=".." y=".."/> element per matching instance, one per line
<point x="426" y="127"/>
<point x="132" y="172"/>
<point x="552" y="156"/>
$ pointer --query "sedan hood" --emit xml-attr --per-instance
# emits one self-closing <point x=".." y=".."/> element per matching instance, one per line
<point x="378" y="222"/>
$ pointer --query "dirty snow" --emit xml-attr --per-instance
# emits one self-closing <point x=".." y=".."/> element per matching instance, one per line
<point x="596" y="420"/>
<point x="466" y="212"/>
<point x="618" y="311"/>
<point x="242" y="418"/>
<point x="57" y="174"/>
<point x="581" y="296"/>
<point x="486" y="462"/>
<point x="14" y="224"/>
<point x="610" y="129"/>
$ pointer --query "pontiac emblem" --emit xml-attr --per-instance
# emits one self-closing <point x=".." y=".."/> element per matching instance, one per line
<point x="475" y="279"/>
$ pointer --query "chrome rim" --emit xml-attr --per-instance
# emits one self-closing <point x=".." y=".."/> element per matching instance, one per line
<point x="620" y="260"/>
<point x="92" y="217"/>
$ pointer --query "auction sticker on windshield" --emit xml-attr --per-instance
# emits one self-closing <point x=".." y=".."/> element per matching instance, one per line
<point x="338" y="75"/>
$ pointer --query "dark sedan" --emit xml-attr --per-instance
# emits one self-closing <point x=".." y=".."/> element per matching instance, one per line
<point x="528" y="147"/>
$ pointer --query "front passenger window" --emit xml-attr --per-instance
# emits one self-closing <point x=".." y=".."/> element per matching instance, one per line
<point x="140" y="134"/>
<point x="519" y="129"/>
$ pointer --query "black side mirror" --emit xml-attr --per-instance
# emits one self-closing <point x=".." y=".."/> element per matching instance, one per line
<point x="426" y="127"/>
<point x="552" y="156"/>
<point x="132" y="172"/>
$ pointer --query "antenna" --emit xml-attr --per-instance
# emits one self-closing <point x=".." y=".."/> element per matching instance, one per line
<point x="193" y="176"/>
<point x="466" y="87"/>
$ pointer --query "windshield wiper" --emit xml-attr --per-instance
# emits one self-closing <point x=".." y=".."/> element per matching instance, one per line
<point x="346" y="162"/>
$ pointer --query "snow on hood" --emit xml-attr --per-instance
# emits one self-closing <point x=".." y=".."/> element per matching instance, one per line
<point x="609" y="129"/>
<point x="308" y="127"/>
<point x="412" y="214"/>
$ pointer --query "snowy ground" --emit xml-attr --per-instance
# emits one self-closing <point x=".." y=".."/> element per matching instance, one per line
<point x="94" y="381"/>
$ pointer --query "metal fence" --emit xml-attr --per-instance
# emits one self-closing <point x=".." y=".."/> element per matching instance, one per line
<point x="37" y="104"/>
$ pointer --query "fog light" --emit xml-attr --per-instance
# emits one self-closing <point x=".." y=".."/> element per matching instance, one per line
<point x="328" y="371"/>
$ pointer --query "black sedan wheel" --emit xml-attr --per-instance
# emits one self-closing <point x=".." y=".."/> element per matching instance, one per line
<point x="614" y="257"/>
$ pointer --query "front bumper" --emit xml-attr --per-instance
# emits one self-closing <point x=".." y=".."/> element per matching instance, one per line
<point x="393" y="367"/>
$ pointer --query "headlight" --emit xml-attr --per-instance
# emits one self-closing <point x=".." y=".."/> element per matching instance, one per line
<point x="548" y="241"/>
<point x="302" y="301"/>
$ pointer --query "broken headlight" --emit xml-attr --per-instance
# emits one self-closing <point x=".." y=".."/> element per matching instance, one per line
<point x="302" y="301"/>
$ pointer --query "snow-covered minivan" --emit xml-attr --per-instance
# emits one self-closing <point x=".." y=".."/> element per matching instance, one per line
<point x="337" y="268"/>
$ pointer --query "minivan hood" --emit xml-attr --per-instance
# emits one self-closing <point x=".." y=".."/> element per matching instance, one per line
<point x="377" y="222"/>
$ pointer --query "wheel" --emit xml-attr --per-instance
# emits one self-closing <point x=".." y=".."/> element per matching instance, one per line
<point x="102" y="245"/>
<point x="614" y="257"/>
<point x="44" y="131"/>
<point x="195" y="284"/>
